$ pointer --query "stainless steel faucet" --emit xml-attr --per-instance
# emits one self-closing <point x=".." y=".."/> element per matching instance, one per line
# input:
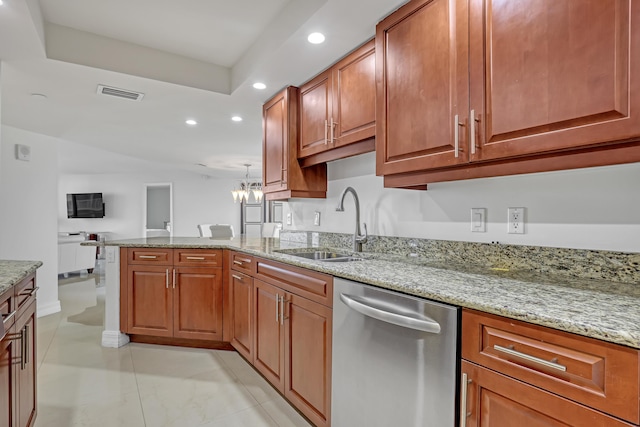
<point x="358" y="239"/>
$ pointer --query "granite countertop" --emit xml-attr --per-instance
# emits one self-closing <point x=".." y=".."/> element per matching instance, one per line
<point x="12" y="272"/>
<point x="594" y="308"/>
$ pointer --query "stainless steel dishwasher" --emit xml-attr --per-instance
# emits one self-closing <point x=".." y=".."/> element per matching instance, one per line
<point x="395" y="359"/>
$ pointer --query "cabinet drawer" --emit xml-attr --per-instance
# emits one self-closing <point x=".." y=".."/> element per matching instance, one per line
<point x="25" y="293"/>
<point x="496" y="400"/>
<point x="150" y="256"/>
<point x="598" y="374"/>
<point x="198" y="257"/>
<point x="6" y="310"/>
<point x="243" y="263"/>
<point x="315" y="286"/>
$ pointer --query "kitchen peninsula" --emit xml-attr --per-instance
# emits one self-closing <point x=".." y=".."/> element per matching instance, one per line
<point x="546" y="310"/>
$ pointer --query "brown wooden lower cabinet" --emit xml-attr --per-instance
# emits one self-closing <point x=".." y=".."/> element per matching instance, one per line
<point x="26" y="367"/>
<point x="161" y="299"/>
<point x="7" y="379"/>
<point x="241" y="316"/>
<point x="494" y="399"/>
<point x="18" y="402"/>
<point x="287" y="337"/>
<point x="293" y="348"/>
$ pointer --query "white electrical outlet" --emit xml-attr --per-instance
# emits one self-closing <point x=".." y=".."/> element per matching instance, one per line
<point x="478" y="220"/>
<point x="316" y="218"/>
<point x="515" y="220"/>
<point x="288" y="218"/>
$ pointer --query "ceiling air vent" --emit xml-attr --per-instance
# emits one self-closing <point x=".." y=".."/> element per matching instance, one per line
<point x="120" y="93"/>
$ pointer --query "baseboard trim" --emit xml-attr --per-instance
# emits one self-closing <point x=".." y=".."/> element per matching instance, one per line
<point x="49" y="308"/>
<point x="114" y="339"/>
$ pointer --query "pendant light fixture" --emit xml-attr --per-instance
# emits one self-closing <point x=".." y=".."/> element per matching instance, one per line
<point x="246" y="187"/>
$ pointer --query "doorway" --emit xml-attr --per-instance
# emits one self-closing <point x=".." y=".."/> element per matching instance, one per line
<point x="158" y="210"/>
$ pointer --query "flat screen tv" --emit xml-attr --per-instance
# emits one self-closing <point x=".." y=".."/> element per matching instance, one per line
<point x="85" y="205"/>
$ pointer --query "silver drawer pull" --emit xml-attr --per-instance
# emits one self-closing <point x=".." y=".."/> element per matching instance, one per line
<point x="147" y="256"/>
<point x="235" y="276"/>
<point x="237" y="262"/>
<point x="196" y="258"/>
<point x="30" y="292"/>
<point x="512" y="352"/>
<point x="7" y="317"/>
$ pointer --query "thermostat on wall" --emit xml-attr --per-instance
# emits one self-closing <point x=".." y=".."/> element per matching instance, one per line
<point x="23" y="152"/>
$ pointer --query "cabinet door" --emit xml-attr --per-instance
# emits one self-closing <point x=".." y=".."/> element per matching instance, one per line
<point x="26" y="383"/>
<point x="422" y="85"/>
<point x="241" y="288"/>
<point x="354" y="97"/>
<point x="9" y="351"/>
<point x="268" y="345"/>
<point x="497" y="400"/>
<point x="149" y="302"/>
<point x="197" y="303"/>
<point x="315" y="114"/>
<point x="308" y="357"/>
<point x="552" y="75"/>
<point x="275" y="142"/>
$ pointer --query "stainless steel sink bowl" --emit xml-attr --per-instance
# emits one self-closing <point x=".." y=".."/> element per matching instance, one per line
<point x="326" y="256"/>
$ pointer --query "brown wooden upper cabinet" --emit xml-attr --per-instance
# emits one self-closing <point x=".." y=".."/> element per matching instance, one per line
<point x="338" y="109"/>
<point x="282" y="175"/>
<point x="463" y="85"/>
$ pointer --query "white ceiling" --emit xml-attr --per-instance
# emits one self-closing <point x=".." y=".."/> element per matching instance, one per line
<point x="192" y="59"/>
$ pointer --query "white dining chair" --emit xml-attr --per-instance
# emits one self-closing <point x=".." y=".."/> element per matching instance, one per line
<point x="204" y="230"/>
<point x="221" y="231"/>
<point x="271" y="229"/>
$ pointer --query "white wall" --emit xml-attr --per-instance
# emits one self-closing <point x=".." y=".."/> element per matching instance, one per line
<point x="28" y="209"/>
<point x="196" y="200"/>
<point x="595" y="208"/>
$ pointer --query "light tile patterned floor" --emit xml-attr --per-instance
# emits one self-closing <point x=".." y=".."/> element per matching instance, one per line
<point x="81" y="383"/>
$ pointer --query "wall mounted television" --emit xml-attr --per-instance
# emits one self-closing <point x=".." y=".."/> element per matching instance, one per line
<point x="85" y="205"/>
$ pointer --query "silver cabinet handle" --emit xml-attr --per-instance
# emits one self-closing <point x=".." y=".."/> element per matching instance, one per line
<point x="167" y="278"/>
<point x="282" y="302"/>
<point x="456" y="136"/>
<point x="237" y="262"/>
<point x="326" y="132"/>
<point x="22" y="350"/>
<point x="6" y="317"/>
<point x="30" y="292"/>
<point x="147" y="256"/>
<point x="26" y="344"/>
<point x="528" y="357"/>
<point x="235" y="276"/>
<point x="174" y="278"/>
<point x="366" y="306"/>
<point x="464" y="414"/>
<point x="333" y="127"/>
<point x="472" y="131"/>
<point x="196" y="258"/>
<point x="277" y="307"/>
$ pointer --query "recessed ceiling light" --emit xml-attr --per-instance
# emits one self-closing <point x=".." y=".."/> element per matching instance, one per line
<point x="259" y="85"/>
<point x="191" y="122"/>
<point x="1" y="3"/>
<point x="236" y="118"/>
<point x="316" y="38"/>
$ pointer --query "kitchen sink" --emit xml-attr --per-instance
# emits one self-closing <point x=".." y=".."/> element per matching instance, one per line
<point x="326" y="256"/>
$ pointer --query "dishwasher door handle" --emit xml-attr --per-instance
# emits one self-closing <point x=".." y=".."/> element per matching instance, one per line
<point x="360" y="305"/>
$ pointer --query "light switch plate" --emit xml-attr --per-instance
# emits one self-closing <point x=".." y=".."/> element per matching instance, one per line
<point x="479" y="220"/>
<point x="288" y="218"/>
<point x="316" y="218"/>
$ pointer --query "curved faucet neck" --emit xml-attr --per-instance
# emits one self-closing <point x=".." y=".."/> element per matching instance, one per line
<point x="358" y="238"/>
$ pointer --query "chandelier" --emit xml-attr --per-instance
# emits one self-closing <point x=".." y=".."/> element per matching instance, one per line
<point x="247" y="187"/>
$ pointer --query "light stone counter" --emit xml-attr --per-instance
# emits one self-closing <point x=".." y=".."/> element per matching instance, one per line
<point x="12" y="272"/>
<point x="595" y="308"/>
